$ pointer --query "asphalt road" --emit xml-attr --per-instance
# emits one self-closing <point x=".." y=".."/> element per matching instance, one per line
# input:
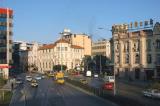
<point x="49" y="93"/>
<point x="125" y="90"/>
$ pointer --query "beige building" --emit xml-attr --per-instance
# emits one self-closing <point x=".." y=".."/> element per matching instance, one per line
<point x="136" y="54"/>
<point x="60" y="52"/>
<point x="101" y="47"/>
<point x="28" y="55"/>
<point x="82" y="40"/>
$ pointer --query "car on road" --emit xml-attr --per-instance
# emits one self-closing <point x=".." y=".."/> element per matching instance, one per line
<point x="152" y="93"/>
<point x="28" y="78"/>
<point x="43" y="76"/>
<point x="38" y="77"/>
<point x="108" y="86"/>
<point x="19" y="81"/>
<point x="34" y="83"/>
<point x="88" y="73"/>
<point x="83" y="81"/>
<point x="95" y="75"/>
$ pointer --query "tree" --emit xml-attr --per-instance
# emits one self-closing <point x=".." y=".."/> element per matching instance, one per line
<point x="58" y="67"/>
<point x="101" y="62"/>
<point x="88" y="63"/>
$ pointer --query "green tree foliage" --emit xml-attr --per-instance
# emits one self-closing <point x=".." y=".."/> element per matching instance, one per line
<point x="58" y="67"/>
<point x="94" y="63"/>
<point x="88" y="63"/>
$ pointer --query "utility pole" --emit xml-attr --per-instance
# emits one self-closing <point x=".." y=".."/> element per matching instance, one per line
<point x="61" y="34"/>
<point x="100" y="66"/>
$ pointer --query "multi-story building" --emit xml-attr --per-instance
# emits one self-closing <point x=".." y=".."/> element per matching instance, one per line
<point x="101" y="47"/>
<point x="6" y="16"/>
<point x="33" y="57"/>
<point x="19" y="48"/>
<point x="136" y="53"/>
<point x="61" y="52"/>
<point x="82" y="40"/>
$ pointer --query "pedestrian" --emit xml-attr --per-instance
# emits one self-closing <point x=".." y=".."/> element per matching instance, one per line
<point x="12" y="85"/>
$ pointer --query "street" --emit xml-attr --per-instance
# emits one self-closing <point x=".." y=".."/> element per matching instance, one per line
<point x="49" y="93"/>
<point x="123" y="89"/>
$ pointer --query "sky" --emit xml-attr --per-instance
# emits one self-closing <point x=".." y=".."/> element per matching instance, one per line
<point x="43" y="20"/>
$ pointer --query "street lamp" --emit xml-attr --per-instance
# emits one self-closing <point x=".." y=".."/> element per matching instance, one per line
<point x="114" y="92"/>
<point x="100" y="66"/>
<point x="61" y="33"/>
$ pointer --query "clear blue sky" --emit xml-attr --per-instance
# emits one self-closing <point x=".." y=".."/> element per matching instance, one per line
<point x="42" y="20"/>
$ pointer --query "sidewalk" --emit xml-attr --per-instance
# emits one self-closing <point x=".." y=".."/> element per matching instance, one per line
<point x="7" y="86"/>
<point x="18" y="98"/>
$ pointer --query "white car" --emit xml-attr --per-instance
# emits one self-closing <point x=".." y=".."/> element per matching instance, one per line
<point x="43" y="76"/>
<point x="109" y="78"/>
<point x="28" y="78"/>
<point x="34" y="83"/>
<point x="38" y="77"/>
<point x="95" y="75"/>
<point x="153" y="93"/>
<point x="88" y="73"/>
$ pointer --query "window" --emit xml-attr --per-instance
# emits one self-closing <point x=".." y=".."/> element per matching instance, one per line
<point x="137" y="59"/>
<point x="65" y="48"/>
<point x="158" y="58"/>
<point x="126" y="47"/>
<point x="149" y="45"/>
<point x="118" y="59"/>
<point x="149" y="58"/>
<point x="126" y="58"/>
<point x="58" y="48"/>
<point x="158" y="44"/>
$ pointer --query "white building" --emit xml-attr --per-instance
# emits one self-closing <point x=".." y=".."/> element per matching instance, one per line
<point x="101" y="47"/>
<point x="61" y="52"/>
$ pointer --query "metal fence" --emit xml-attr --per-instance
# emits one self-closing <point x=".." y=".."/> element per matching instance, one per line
<point x="5" y="96"/>
<point x="106" y="94"/>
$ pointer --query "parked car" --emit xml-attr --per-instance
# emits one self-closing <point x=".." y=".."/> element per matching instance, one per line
<point x="153" y="93"/>
<point x="34" y="83"/>
<point x="28" y="78"/>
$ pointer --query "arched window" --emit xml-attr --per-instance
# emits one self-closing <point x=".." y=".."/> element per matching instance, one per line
<point x="137" y="59"/>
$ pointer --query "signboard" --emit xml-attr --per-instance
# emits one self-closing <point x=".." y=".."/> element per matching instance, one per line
<point x="6" y="67"/>
<point x="132" y="26"/>
<point x="140" y="25"/>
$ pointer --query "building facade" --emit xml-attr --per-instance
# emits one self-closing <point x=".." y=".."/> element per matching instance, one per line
<point x="136" y="54"/>
<point x="6" y="18"/>
<point x="82" y="40"/>
<point x="19" y="49"/>
<point x="101" y="47"/>
<point x="61" y="52"/>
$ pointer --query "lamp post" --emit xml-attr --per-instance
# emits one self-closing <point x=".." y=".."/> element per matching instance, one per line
<point x="114" y="92"/>
<point x="100" y="66"/>
<point x="61" y="33"/>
